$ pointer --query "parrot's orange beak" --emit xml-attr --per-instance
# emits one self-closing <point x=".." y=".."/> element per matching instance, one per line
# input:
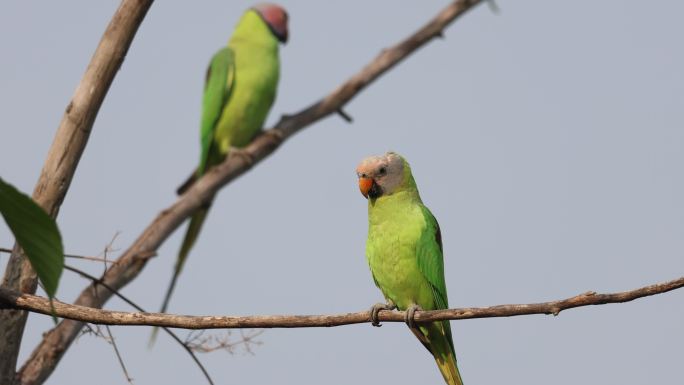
<point x="365" y="184"/>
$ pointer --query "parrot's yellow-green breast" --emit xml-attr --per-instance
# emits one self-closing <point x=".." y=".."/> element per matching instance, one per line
<point x="255" y="82"/>
<point x="396" y="225"/>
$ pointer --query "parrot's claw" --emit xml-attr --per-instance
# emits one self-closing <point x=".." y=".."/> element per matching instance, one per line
<point x="276" y="134"/>
<point x="375" y="309"/>
<point x="410" y="314"/>
<point x="239" y="152"/>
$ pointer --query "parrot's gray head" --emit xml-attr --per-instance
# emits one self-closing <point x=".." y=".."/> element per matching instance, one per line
<point x="380" y="175"/>
<point x="275" y="17"/>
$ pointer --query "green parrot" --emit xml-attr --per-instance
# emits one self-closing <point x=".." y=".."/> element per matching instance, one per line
<point x="239" y="90"/>
<point x="404" y="252"/>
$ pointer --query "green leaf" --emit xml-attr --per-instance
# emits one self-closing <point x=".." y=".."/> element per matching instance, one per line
<point x="36" y="232"/>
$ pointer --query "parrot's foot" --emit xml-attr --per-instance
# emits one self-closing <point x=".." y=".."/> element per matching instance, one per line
<point x="276" y="134"/>
<point x="410" y="314"/>
<point x="239" y="152"/>
<point x="376" y="308"/>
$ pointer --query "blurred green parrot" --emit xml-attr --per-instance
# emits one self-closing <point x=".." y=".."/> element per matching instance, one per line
<point x="239" y="90"/>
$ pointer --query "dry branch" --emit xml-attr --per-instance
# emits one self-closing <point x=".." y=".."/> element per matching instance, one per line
<point x="62" y="160"/>
<point x="55" y="342"/>
<point x="107" y="317"/>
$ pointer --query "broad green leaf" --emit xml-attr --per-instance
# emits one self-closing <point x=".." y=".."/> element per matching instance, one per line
<point x="36" y="232"/>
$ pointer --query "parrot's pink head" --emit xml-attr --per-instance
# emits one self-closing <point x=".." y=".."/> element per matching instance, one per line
<point x="380" y="175"/>
<point x="275" y="17"/>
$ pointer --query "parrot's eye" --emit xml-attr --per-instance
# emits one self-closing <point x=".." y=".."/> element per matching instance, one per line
<point x="382" y="171"/>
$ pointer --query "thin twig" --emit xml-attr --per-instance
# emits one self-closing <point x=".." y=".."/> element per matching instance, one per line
<point x="248" y="340"/>
<point x="198" y="342"/>
<point x="55" y="342"/>
<point x="118" y="355"/>
<point x="87" y="258"/>
<point x="73" y="256"/>
<point x="108" y="248"/>
<point x="94" y="330"/>
<point x="37" y="304"/>
<point x="344" y="115"/>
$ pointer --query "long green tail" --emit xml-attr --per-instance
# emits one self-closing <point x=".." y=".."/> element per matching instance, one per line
<point x="441" y="346"/>
<point x="449" y="369"/>
<point x="190" y="237"/>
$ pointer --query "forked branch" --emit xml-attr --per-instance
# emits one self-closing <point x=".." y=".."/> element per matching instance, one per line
<point x="63" y="158"/>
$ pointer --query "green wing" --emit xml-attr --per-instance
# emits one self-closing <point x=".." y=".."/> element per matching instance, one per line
<point x="430" y="261"/>
<point x="431" y="264"/>
<point x="217" y="89"/>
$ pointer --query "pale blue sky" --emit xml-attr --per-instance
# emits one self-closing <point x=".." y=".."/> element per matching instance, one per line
<point x="547" y="140"/>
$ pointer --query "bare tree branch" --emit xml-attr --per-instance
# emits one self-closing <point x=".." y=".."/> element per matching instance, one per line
<point x="46" y="355"/>
<point x="107" y="317"/>
<point x="62" y="160"/>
